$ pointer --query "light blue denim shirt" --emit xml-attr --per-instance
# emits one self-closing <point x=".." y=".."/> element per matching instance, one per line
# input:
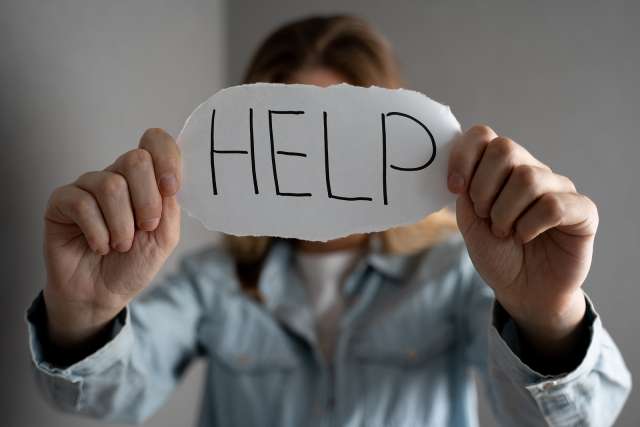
<point x="415" y="329"/>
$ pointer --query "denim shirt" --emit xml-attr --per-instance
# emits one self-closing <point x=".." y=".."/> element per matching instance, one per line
<point x="415" y="329"/>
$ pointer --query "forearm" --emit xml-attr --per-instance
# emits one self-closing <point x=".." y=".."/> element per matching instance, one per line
<point x="75" y="328"/>
<point x="122" y="378"/>
<point x="558" y="397"/>
<point x="552" y="341"/>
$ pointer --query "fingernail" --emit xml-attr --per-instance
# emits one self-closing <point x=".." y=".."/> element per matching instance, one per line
<point x="456" y="182"/>
<point x="149" y="224"/>
<point x="168" y="184"/>
<point x="96" y="249"/>
<point x="121" y="246"/>
<point x="499" y="233"/>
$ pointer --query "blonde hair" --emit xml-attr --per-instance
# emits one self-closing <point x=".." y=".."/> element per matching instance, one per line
<point x="350" y="47"/>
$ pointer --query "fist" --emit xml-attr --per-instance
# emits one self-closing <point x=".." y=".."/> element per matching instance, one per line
<point x="528" y="231"/>
<point x="108" y="233"/>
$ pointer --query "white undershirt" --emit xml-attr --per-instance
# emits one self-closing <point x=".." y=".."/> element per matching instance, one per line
<point x="322" y="276"/>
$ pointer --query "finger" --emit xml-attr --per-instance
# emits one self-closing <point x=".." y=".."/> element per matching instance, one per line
<point x="137" y="168"/>
<point x="72" y="205"/>
<point x="112" y="194"/>
<point x="465" y="153"/>
<point x="497" y="162"/>
<point x="524" y="186"/>
<point x="571" y="213"/>
<point x="166" y="157"/>
<point x="168" y="231"/>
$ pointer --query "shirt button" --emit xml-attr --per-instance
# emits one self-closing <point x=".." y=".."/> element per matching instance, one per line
<point x="243" y="359"/>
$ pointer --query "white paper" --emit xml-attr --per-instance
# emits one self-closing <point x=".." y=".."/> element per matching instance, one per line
<point x="305" y="208"/>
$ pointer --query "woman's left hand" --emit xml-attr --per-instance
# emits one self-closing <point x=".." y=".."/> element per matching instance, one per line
<point x="528" y="231"/>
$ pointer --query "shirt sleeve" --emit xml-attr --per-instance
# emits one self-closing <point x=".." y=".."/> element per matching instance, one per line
<point x="129" y="377"/>
<point x="593" y="393"/>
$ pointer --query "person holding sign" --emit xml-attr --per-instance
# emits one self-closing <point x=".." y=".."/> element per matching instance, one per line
<point x="371" y="329"/>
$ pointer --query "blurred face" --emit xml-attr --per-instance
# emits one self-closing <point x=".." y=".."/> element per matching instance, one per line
<point x="325" y="77"/>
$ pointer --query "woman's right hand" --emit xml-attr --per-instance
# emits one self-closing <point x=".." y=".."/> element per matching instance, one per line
<point x="107" y="235"/>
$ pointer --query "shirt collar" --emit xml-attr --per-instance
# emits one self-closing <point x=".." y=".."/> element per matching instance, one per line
<point x="283" y="295"/>
<point x="286" y="298"/>
<point x="279" y="259"/>
<point x="273" y="282"/>
<point x="392" y="266"/>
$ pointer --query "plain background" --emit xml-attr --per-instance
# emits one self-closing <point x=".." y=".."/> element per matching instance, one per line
<point x="82" y="79"/>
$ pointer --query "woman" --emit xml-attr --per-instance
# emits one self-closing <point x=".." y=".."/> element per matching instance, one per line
<point x="376" y="330"/>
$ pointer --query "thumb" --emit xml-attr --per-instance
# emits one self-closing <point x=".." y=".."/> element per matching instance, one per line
<point x="168" y="231"/>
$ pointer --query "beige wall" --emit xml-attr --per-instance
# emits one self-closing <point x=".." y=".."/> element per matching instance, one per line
<point x="81" y="80"/>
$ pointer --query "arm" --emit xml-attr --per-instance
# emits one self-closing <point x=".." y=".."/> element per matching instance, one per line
<point x="530" y="235"/>
<point x="106" y="236"/>
<point x="132" y="372"/>
<point x="591" y="391"/>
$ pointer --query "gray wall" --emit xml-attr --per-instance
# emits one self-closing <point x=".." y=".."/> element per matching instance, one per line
<point x="81" y="80"/>
<point x="560" y="77"/>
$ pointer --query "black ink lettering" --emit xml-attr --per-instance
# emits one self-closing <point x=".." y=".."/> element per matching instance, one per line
<point x="326" y="167"/>
<point x="432" y="140"/>
<point x="253" y="154"/>
<point x="384" y="150"/>
<point x="213" y="164"/>
<point x="289" y="153"/>
<point x="384" y="159"/>
<point x="216" y="151"/>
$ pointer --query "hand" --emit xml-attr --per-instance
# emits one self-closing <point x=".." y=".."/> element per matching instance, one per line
<point x="107" y="235"/>
<point x="528" y="231"/>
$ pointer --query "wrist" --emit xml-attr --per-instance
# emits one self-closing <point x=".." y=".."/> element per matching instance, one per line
<point x="72" y="324"/>
<point x="554" y="322"/>
<point x="555" y="333"/>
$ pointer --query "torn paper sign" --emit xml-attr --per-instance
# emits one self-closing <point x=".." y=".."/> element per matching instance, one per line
<point x="315" y="163"/>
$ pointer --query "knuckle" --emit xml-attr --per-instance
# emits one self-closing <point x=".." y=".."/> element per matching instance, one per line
<point x="58" y="193"/>
<point x="137" y="158"/>
<point x="112" y="184"/>
<point x="481" y="131"/>
<point x="502" y="147"/>
<point x="590" y="202"/>
<point x="87" y="176"/>
<point x="552" y="207"/>
<point x="594" y="208"/>
<point x="526" y="176"/>
<point x="56" y="198"/>
<point x="569" y="184"/>
<point x="478" y="194"/>
<point x="81" y="205"/>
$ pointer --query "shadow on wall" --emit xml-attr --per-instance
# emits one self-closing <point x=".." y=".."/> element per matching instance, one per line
<point x="82" y="80"/>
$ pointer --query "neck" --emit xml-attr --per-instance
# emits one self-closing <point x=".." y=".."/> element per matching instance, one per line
<point x="349" y="242"/>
